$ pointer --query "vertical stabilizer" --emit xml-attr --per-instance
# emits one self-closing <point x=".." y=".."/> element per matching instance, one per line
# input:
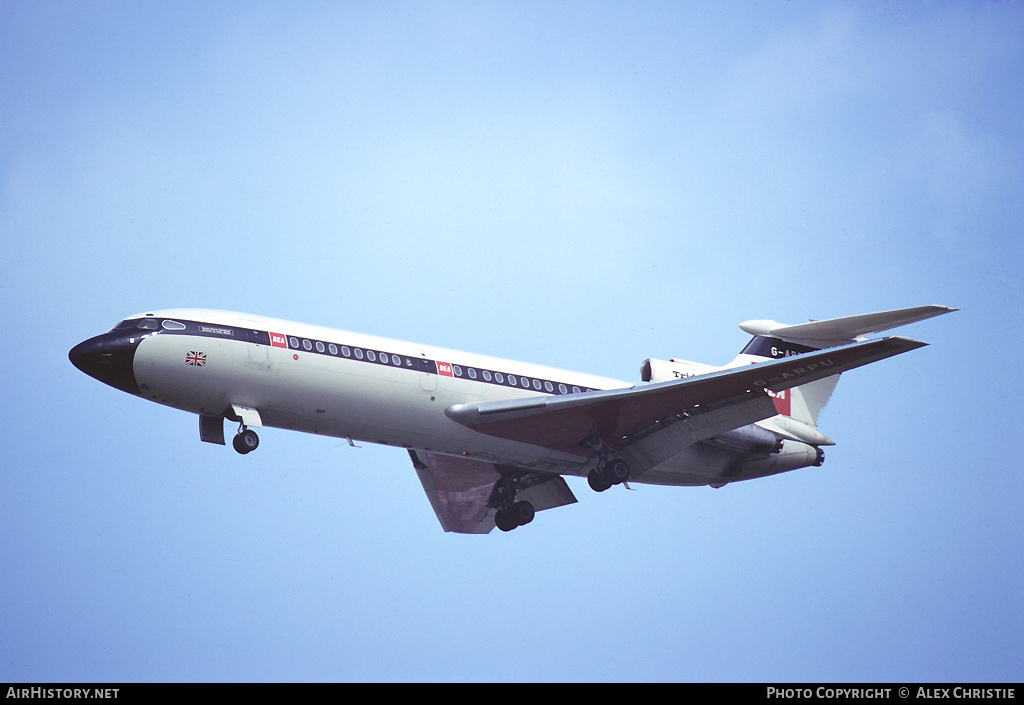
<point x="803" y="403"/>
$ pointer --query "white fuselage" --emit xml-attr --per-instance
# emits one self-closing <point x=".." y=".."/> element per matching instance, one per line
<point x="347" y="394"/>
<point x="348" y="385"/>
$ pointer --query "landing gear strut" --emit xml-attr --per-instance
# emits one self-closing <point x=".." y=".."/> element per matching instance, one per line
<point x="511" y="513"/>
<point x="245" y="441"/>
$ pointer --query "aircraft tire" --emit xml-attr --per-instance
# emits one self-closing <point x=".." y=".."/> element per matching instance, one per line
<point x="504" y="521"/>
<point x="523" y="513"/>
<point x="246" y="442"/>
<point x="597" y="482"/>
<point x="616" y="471"/>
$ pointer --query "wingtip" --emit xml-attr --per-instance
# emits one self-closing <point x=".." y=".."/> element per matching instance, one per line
<point x="906" y="343"/>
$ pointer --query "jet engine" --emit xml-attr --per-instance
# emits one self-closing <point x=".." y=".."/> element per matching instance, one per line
<point x="666" y="370"/>
<point x="748" y="439"/>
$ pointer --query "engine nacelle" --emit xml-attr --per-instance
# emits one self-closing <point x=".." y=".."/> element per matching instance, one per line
<point x="748" y="439"/>
<point x="666" y="370"/>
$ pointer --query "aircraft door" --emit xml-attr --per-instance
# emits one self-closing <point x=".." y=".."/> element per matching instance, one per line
<point x="257" y="352"/>
<point x="428" y="380"/>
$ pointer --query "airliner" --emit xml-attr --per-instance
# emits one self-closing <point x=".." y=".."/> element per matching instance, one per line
<point x="493" y="439"/>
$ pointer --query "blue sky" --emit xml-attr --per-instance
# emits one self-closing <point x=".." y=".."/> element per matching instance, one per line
<point x="583" y="185"/>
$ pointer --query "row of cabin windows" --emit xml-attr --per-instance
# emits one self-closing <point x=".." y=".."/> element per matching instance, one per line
<point x="346" y="351"/>
<point x="522" y="381"/>
<point x="459" y="371"/>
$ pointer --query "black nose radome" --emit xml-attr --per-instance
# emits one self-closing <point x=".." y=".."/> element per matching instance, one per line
<point x="110" y="358"/>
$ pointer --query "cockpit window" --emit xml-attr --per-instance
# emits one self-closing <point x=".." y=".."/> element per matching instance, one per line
<point x="125" y="325"/>
<point x="148" y="324"/>
<point x="172" y="325"/>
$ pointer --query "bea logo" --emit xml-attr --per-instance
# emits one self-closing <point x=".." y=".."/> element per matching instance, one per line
<point x="781" y="399"/>
<point x="444" y="368"/>
<point x="278" y="340"/>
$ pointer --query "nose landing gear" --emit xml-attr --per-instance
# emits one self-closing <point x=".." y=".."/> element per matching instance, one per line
<point x="245" y="441"/>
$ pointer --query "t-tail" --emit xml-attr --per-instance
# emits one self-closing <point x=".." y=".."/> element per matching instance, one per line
<point x="773" y="340"/>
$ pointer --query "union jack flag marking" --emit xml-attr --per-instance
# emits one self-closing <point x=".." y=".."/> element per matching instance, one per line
<point x="197" y="359"/>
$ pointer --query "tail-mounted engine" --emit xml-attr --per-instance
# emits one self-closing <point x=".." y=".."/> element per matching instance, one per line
<point x="666" y="370"/>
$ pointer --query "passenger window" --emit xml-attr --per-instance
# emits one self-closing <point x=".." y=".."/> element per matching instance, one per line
<point x="548" y="387"/>
<point x="333" y="348"/>
<point x="306" y="344"/>
<point x="487" y="376"/>
<point x="562" y="389"/>
<point x="472" y="373"/>
<point x="319" y="346"/>
<point x="359" y="353"/>
<point x="499" y="378"/>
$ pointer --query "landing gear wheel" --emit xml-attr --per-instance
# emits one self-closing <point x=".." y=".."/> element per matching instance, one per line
<point x="616" y="471"/>
<point x="504" y="521"/>
<point x="597" y="482"/>
<point x="518" y="514"/>
<point x="246" y="441"/>
<point x="523" y="513"/>
<point x="613" y="472"/>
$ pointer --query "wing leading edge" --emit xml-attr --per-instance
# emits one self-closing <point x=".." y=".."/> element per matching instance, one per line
<point x="562" y="423"/>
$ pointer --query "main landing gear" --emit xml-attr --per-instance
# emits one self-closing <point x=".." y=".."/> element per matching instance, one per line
<point x="245" y="441"/>
<point x="511" y="513"/>
<point x="609" y="471"/>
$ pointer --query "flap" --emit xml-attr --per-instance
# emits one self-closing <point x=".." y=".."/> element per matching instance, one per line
<point x="459" y="490"/>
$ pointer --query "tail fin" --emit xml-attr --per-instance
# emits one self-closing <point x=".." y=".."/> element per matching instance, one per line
<point x="775" y="340"/>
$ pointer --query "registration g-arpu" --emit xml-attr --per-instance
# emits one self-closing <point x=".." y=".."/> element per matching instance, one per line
<point x="493" y="439"/>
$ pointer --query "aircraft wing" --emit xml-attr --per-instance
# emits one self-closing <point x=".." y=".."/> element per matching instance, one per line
<point x="460" y="489"/>
<point x="562" y="422"/>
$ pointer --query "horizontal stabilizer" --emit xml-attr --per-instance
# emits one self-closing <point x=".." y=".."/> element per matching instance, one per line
<point x="835" y="331"/>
